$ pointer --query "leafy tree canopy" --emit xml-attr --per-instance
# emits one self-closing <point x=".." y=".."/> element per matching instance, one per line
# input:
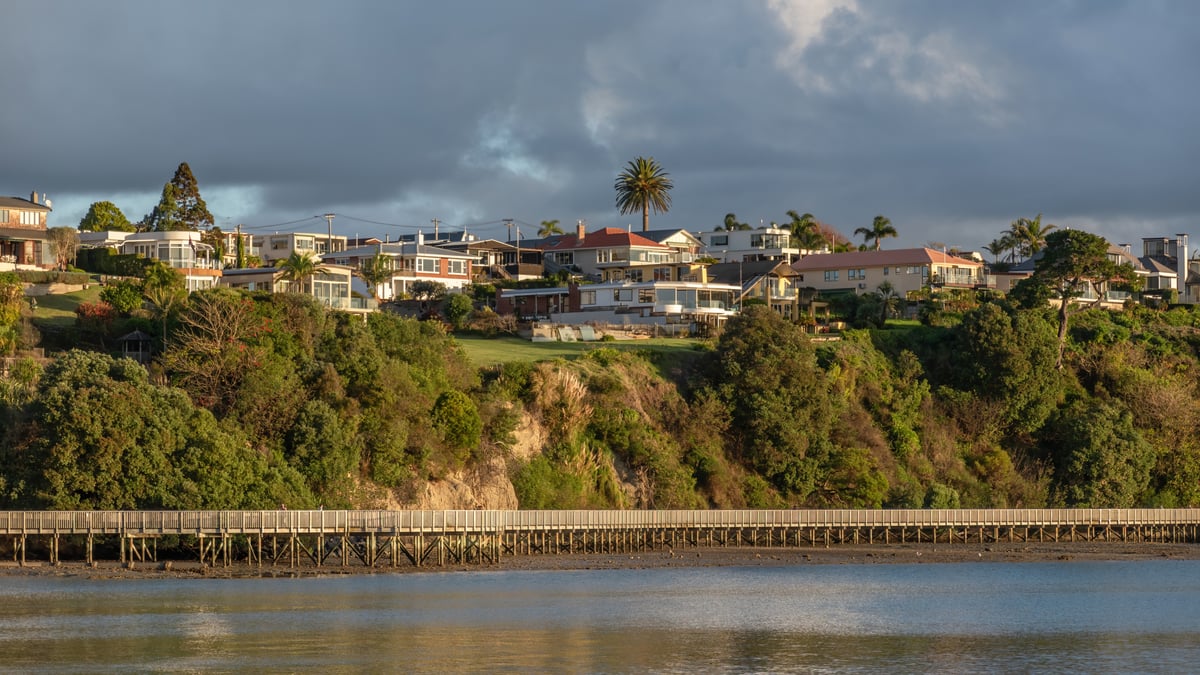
<point x="105" y="216"/>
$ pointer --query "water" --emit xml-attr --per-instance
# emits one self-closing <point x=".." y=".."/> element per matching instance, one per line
<point x="978" y="617"/>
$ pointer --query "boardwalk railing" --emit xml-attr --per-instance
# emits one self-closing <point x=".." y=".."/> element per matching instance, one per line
<point x="483" y="536"/>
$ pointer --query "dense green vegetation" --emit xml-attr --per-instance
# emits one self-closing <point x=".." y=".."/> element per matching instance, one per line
<point x="259" y="400"/>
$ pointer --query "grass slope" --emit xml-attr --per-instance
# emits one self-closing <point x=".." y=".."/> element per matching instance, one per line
<point x="485" y="352"/>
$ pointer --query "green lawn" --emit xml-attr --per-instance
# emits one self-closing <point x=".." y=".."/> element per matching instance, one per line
<point x="58" y="311"/>
<point x="491" y="351"/>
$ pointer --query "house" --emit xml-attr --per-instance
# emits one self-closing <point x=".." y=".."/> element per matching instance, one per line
<point x="281" y="245"/>
<point x="774" y="282"/>
<point x="613" y="254"/>
<point x="764" y="243"/>
<point x="1166" y="261"/>
<point x="694" y="305"/>
<point x="330" y="286"/>
<point x="181" y="250"/>
<point x="497" y="259"/>
<point x="1111" y="299"/>
<point x="23" y="231"/>
<point x="906" y="269"/>
<point x="410" y="263"/>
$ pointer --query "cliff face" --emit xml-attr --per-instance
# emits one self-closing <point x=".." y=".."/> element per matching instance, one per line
<point x="485" y="484"/>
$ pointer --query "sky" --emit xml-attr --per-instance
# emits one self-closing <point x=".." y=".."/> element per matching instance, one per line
<point x="952" y="119"/>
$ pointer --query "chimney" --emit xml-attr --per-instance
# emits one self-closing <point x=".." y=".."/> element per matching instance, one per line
<point x="420" y="238"/>
<point x="33" y="197"/>
<point x="580" y="230"/>
<point x="387" y="238"/>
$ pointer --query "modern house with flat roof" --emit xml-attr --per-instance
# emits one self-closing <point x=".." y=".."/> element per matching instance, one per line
<point x="330" y="286"/>
<point x="764" y="243"/>
<point x="181" y="250"/>
<point x="410" y="263"/>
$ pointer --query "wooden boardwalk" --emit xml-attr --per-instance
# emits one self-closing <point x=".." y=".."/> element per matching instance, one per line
<point x="394" y="538"/>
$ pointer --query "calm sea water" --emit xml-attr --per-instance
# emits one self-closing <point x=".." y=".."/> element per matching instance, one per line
<point x="978" y="617"/>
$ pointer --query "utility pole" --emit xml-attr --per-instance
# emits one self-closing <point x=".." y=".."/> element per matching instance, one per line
<point x="329" y="241"/>
<point x="435" y="228"/>
<point x="509" y="223"/>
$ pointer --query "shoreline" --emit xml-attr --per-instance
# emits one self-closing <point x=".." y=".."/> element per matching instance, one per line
<point x="687" y="557"/>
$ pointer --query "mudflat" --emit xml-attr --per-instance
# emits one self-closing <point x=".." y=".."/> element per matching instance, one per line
<point x="679" y="557"/>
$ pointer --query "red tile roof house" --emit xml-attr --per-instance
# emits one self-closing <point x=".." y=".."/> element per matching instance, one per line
<point x="23" y="232"/>
<point x="613" y="254"/>
<point x="906" y="269"/>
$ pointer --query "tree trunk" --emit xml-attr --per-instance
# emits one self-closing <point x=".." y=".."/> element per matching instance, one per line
<point x="646" y="217"/>
<point x="1062" y="330"/>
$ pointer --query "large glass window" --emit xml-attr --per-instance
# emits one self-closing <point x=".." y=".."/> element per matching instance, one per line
<point x="30" y="218"/>
<point x="587" y="297"/>
<point x="428" y="265"/>
<point x="831" y="275"/>
<point x="458" y="267"/>
<point x="720" y="240"/>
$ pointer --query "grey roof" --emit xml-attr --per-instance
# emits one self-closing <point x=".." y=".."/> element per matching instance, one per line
<point x="662" y="235"/>
<point x="399" y="250"/>
<point x="18" y="203"/>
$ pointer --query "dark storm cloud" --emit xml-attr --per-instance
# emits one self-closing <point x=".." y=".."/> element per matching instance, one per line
<point x="951" y="118"/>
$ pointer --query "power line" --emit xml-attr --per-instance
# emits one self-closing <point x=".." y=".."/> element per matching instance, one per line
<point x="278" y="225"/>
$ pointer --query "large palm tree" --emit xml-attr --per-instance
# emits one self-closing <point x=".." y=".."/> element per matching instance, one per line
<point x="881" y="227"/>
<point x="548" y="228"/>
<point x="643" y="186"/>
<point x="376" y="271"/>
<point x="1030" y="234"/>
<point x="300" y="267"/>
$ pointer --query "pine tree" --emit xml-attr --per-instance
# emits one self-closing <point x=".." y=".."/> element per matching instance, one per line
<point x="181" y="207"/>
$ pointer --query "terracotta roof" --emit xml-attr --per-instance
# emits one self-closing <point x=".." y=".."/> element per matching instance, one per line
<point x="609" y="236"/>
<point x="902" y="256"/>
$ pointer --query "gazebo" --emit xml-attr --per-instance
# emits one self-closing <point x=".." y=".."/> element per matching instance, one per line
<point x="137" y="346"/>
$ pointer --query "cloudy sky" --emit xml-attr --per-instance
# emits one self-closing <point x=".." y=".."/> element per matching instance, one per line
<point x="950" y="118"/>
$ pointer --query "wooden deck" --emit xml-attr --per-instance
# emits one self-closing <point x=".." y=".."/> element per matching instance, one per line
<point x="383" y="538"/>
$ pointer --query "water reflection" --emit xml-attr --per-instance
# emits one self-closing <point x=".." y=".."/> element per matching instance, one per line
<point x="929" y="618"/>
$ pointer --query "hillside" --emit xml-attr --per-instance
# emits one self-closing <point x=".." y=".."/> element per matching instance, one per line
<point x="261" y="400"/>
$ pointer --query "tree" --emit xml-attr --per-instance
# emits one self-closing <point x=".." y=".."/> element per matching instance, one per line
<point x="731" y="223"/>
<point x="299" y="268"/>
<point x="103" y="217"/>
<point x="881" y="227"/>
<point x="997" y="247"/>
<point x="1074" y="262"/>
<point x="458" y="308"/>
<point x="643" y="186"/>
<point x="1028" y="235"/>
<point x="805" y="232"/>
<point x="181" y="207"/>
<point x="64" y="241"/>
<point x="215" y="238"/>
<point x="765" y="371"/>
<point x="166" y="291"/>
<point x="889" y="301"/>
<point x="549" y="227"/>
<point x="125" y="295"/>
<point x="427" y="290"/>
<point x="376" y="271"/>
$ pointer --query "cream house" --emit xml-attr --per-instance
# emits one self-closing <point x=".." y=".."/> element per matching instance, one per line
<point x="906" y="269"/>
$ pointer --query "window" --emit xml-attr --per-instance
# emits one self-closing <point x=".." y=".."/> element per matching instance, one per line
<point x="3" y="215"/>
<point x="279" y="244"/>
<point x="720" y="240"/>
<point x="646" y="296"/>
<point x="304" y="243"/>
<point x="885" y="270"/>
<point x="851" y="274"/>
<point x="564" y="257"/>
<point x="633" y="275"/>
<point x="587" y="297"/>
<point x="427" y="265"/>
<point x="30" y="218"/>
<point x="662" y="273"/>
<point x="831" y="275"/>
<point x="458" y="267"/>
